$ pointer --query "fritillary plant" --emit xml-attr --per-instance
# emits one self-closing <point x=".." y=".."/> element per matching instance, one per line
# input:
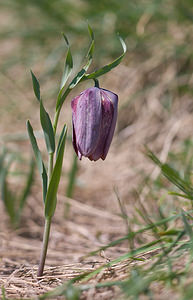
<point x="94" y="119"/>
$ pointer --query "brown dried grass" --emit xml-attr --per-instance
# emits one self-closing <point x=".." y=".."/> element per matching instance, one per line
<point x="93" y="219"/>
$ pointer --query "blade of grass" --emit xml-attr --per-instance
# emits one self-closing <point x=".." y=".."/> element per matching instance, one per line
<point x="38" y="158"/>
<point x="36" y="86"/>
<point x="50" y="202"/>
<point x="72" y="177"/>
<point x="47" y="129"/>
<point x="26" y="191"/>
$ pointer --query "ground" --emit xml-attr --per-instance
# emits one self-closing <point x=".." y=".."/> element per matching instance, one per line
<point x="93" y="217"/>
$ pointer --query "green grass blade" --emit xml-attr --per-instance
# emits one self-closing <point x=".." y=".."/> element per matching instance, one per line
<point x="88" y="275"/>
<point x="89" y="55"/>
<point x="35" y="147"/>
<point x="188" y="229"/>
<point x="36" y="86"/>
<point x="26" y="190"/>
<point x="38" y="158"/>
<point x="134" y="233"/>
<point x="169" y="249"/>
<point x="137" y="285"/>
<point x="9" y="199"/>
<point x="180" y="195"/>
<point x="188" y="292"/>
<point x="72" y="177"/>
<point x="187" y="226"/>
<point x="108" y="67"/>
<point x="47" y="129"/>
<point x="50" y="202"/>
<point x="172" y="175"/>
<point x="68" y="65"/>
<point x="3" y="293"/>
<point x="67" y="69"/>
<point x="2" y="157"/>
<point x="80" y="74"/>
<point x="91" y="49"/>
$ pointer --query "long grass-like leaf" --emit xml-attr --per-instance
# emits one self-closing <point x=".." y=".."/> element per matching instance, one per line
<point x="72" y="177"/>
<point x="38" y="158"/>
<point x="67" y="69"/>
<point x="50" y="202"/>
<point x="187" y="226"/>
<point x="7" y="196"/>
<point x="81" y="73"/>
<point x="108" y="67"/>
<point x="68" y="65"/>
<point x="47" y="129"/>
<point x="135" y="233"/>
<point x="87" y="275"/>
<point x="172" y="175"/>
<point x="36" y="86"/>
<point x="26" y="190"/>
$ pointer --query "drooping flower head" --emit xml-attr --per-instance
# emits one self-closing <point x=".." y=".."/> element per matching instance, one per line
<point x="94" y="116"/>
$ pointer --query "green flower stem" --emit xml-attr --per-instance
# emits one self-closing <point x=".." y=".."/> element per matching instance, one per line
<point x="56" y="117"/>
<point x="50" y="165"/>
<point x="48" y="220"/>
<point x="50" y="170"/>
<point x="59" y="106"/>
<point x="47" y="225"/>
<point x="96" y="82"/>
<point x="45" y="247"/>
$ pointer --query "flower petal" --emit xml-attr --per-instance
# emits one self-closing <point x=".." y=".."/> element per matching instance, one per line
<point x="87" y="114"/>
<point x="107" y="118"/>
<point x="114" y="100"/>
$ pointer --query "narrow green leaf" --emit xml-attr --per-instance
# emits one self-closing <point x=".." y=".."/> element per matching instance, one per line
<point x="38" y="158"/>
<point x="44" y="182"/>
<point x="81" y="73"/>
<point x="67" y="69"/>
<point x="72" y="177"/>
<point x="187" y="226"/>
<point x="2" y="157"/>
<point x="179" y="195"/>
<point x="50" y="202"/>
<point x="187" y="292"/>
<point x="27" y="187"/>
<point x="90" y="32"/>
<point x="169" y="249"/>
<point x="35" y="147"/>
<point x="3" y="293"/>
<point x="91" y="49"/>
<point x="68" y="64"/>
<point x="169" y="232"/>
<point x="172" y="175"/>
<point x="47" y="129"/>
<point x="188" y="229"/>
<point x="60" y="290"/>
<point x="36" y="86"/>
<point x="146" y="228"/>
<point x="60" y="140"/>
<point x="108" y="67"/>
<point x="7" y="196"/>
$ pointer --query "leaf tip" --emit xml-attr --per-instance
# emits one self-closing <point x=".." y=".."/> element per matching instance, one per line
<point x="90" y="31"/>
<point x="66" y="39"/>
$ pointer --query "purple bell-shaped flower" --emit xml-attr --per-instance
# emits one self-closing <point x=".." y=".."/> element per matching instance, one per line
<point x="94" y="116"/>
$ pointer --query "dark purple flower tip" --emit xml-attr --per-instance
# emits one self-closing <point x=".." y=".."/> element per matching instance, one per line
<point x="94" y="115"/>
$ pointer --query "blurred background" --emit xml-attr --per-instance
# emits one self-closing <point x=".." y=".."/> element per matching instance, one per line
<point x="155" y="87"/>
<point x="157" y="33"/>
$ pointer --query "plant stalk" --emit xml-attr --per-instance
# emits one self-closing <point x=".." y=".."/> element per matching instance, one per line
<point x="56" y="119"/>
<point x="46" y="226"/>
<point x="48" y="220"/>
<point x="44" y="247"/>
